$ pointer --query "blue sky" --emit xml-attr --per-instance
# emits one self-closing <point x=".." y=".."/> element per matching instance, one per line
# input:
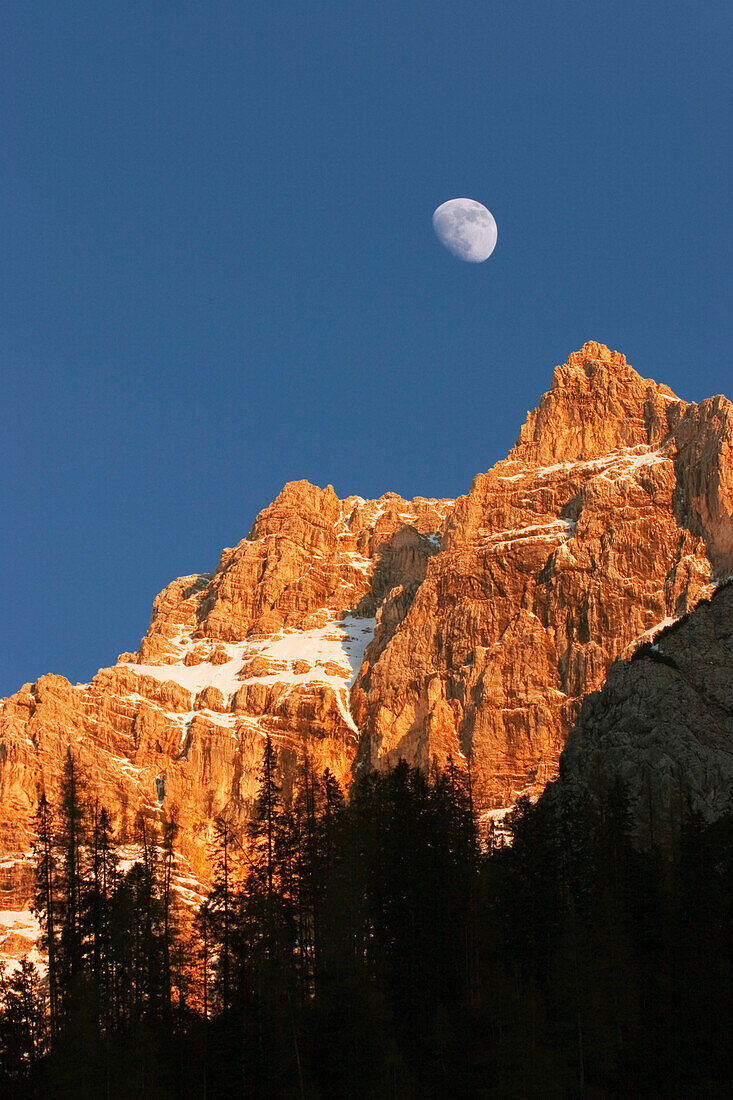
<point x="219" y="272"/>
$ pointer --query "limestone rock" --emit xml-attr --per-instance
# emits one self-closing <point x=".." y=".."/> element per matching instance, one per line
<point x="268" y="644"/>
<point x="612" y="513"/>
<point x="210" y="698"/>
<point x="365" y="630"/>
<point x="663" y="723"/>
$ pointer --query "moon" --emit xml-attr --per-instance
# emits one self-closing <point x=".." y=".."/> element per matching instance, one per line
<point x="466" y="228"/>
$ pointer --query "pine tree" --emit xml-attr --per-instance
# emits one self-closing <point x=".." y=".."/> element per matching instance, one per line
<point x="266" y="817"/>
<point x="220" y="911"/>
<point x="97" y="913"/>
<point x="167" y="899"/>
<point x="45" y="903"/>
<point x="72" y="842"/>
<point x="22" y="1019"/>
<point x="151" y="908"/>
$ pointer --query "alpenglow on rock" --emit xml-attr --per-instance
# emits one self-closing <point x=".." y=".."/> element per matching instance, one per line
<point x="365" y="631"/>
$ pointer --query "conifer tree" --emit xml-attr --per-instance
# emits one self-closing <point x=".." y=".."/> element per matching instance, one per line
<point x="266" y="817"/>
<point x="220" y="912"/>
<point x="22" y="1019"/>
<point x="45" y="902"/>
<point x="150" y="890"/>
<point x="167" y="899"/>
<point x="103" y="883"/>
<point x="72" y="843"/>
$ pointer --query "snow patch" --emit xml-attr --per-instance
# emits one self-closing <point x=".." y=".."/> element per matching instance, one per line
<point x="652" y="632"/>
<point x="196" y="677"/>
<point x="358" y="561"/>
<point x="504" y="540"/>
<point x="618" y="463"/>
<point x="19" y="933"/>
<point x="340" y="642"/>
<point x="14" y="920"/>
<point x="334" y="652"/>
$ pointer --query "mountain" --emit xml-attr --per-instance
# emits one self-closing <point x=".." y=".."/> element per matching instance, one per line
<point x="365" y="631"/>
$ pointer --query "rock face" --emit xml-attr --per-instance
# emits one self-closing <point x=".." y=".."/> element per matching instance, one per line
<point x="363" y="631"/>
<point x="610" y="515"/>
<point x="663" y="723"/>
<point x="268" y="644"/>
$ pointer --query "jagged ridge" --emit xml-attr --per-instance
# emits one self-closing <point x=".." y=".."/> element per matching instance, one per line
<point x="492" y="616"/>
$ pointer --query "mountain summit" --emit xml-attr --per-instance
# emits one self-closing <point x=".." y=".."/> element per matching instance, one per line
<point x="596" y="403"/>
<point x="366" y="631"/>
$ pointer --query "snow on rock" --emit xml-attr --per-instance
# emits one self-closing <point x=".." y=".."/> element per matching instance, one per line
<point x="197" y="677"/>
<point x="341" y="642"/>
<point x="618" y="463"/>
<point x="333" y="654"/>
<point x="505" y="540"/>
<point x="19" y="933"/>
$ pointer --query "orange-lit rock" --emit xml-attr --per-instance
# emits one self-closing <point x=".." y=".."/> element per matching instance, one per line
<point x="268" y="644"/>
<point x="612" y="513"/>
<point x="472" y="628"/>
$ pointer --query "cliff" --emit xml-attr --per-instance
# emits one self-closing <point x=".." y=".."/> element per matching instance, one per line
<point x="364" y="631"/>
<point x="662" y="724"/>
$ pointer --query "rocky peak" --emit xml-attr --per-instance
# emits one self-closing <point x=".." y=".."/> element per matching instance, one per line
<point x="267" y="644"/>
<point x="364" y="631"/>
<point x="596" y="404"/>
<point x="297" y="506"/>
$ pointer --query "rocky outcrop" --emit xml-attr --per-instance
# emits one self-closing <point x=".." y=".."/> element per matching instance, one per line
<point x="270" y="643"/>
<point x="597" y="404"/>
<point x="362" y="631"/>
<point x="663" y="724"/>
<point x="703" y="437"/>
<point x="611" y="514"/>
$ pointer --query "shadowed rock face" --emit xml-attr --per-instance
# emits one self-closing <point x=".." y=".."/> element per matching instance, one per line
<point x="663" y="723"/>
<point x="363" y="631"/>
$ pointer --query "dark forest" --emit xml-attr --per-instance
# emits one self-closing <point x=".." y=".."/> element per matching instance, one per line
<point x="379" y="945"/>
